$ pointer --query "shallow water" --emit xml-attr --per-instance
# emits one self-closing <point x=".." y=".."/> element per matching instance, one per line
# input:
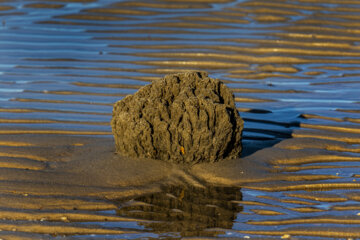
<point x="293" y="67"/>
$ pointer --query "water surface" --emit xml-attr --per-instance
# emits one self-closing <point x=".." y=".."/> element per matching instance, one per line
<point x="293" y="67"/>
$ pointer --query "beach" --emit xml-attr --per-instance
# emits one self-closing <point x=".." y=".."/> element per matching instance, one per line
<point x="293" y="67"/>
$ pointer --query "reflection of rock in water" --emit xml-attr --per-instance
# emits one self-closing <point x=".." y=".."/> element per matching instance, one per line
<point x="188" y="211"/>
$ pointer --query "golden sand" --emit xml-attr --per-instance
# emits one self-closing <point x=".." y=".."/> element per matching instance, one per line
<point x="291" y="65"/>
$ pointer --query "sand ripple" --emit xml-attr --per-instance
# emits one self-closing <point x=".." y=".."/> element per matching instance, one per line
<point x="292" y="66"/>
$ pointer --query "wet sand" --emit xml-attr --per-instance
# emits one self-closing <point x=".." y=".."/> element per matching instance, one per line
<point x="292" y="66"/>
<point x="69" y="179"/>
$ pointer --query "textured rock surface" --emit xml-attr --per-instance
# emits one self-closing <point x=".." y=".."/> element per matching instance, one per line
<point x="182" y="118"/>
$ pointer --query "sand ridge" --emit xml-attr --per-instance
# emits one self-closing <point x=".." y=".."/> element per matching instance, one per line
<point x="293" y="69"/>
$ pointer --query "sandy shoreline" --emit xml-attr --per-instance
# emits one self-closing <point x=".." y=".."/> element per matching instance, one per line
<point x="92" y="162"/>
<point x="70" y="178"/>
<point x="292" y="66"/>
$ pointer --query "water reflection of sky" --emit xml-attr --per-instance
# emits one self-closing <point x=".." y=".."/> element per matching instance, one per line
<point x="60" y="65"/>
<point x="38" y="47"/>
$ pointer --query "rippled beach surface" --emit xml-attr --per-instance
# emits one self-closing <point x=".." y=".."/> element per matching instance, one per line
<point x="293" y="66"/>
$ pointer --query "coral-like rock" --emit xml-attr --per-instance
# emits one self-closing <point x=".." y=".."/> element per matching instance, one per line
<point x="182" y="118"/>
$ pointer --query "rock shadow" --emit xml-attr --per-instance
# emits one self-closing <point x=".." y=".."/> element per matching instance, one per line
<point x="255" y="139"/>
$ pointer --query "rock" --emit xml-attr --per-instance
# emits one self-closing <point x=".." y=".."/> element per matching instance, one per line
<point x="182" y="118"/>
